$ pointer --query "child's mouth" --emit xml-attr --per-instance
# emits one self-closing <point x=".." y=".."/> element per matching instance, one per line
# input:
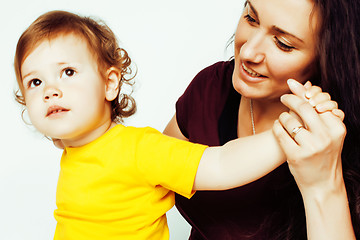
<point x="55" y="110"/>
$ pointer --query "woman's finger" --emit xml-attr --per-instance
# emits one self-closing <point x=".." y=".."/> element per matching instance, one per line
<point x="294" y="128"/>
<point x="288" y="145"/>
<point x="296" y="88"/>
<point x="333" y="125"/>
<point x="305" y="111"/>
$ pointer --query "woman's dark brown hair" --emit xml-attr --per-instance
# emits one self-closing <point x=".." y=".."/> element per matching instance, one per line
<point x="338" y="52"/>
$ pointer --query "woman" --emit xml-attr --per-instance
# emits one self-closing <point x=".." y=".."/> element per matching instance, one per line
<point x="306" y="198"/>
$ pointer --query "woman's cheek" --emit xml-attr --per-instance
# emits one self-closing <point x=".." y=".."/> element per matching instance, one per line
<point x="282" y="68"/>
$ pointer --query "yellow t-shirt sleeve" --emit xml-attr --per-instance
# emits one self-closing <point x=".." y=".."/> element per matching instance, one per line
<point x="169" y="162"/>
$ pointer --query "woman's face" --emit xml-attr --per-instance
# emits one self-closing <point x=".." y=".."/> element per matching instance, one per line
<point x="274" y="41"/>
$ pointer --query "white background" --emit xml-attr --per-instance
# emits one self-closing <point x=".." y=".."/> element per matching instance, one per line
<point x="170" y="41"/>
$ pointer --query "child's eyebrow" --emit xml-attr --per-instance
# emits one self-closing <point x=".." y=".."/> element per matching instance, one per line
<point x="33" y="72"/>
<point x="26" y="75"/>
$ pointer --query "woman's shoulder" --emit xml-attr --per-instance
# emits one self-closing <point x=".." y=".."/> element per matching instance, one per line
<point x="203" y="101"/>
<point x="215" y="77"/>
<point x="217" y="72"/>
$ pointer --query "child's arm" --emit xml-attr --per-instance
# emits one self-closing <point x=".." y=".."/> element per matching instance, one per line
<point x="238" y="162"/>
<point x="246" y="159"/>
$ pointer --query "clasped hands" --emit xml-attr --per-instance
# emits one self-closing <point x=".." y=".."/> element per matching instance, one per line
<point x="311" y="136"/>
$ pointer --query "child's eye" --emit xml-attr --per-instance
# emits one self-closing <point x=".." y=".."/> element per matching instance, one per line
<point x="34" y="83"/>
<point x="68" y="72"/>
<point x="283" y="46"/>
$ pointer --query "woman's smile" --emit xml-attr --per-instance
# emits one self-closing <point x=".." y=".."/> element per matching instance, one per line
<point x="273" y="42"/>
<point x="251" y="72"/>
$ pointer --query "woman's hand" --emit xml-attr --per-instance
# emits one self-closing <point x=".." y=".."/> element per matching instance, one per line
<point x="312" y="142"/>
<point x="313" y="146"/>
<point x="312" y="139"/>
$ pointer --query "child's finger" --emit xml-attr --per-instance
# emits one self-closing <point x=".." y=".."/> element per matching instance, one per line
<point x="58" y="143"/>
<point x="326" y="106"/>
<point x="339" y="113"/>
<point x="319" y="98"/>
<point x="307" y="85"/>
<point x="312" y="91"/>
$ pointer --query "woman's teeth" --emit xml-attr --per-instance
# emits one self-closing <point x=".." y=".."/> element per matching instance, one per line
<point x="250" y="72"/>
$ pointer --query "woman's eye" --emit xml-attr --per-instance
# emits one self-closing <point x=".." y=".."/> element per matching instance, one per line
<point x="34" y="83"/>
<point x="283" y="46"/>
<point x="250" y="19"/>
<point x="68" y="72"/>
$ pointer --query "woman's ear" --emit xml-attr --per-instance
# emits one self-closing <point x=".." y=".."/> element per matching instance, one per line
<point x="112" y="88"/>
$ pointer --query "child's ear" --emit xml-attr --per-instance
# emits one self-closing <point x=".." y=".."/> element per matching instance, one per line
<point x="112" y="88"/>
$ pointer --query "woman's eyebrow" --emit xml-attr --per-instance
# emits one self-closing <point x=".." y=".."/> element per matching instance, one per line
<point x="283" y="32"/>
<point x="252" y="8"/>
<point x="275" y="28"/>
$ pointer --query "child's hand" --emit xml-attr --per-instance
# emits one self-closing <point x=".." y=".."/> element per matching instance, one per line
<point x="58" y="143"/>
<point x="319" y="100"/>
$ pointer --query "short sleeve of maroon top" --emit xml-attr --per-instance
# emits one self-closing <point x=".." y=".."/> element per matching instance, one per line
<point x="209" y="98"/>
<point x="207" y="113"/>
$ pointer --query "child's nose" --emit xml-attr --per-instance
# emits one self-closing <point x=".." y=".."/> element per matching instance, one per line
<point x="52" y="92"/>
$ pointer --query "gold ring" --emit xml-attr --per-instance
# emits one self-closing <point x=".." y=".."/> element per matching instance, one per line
<point x="296" y="131"/>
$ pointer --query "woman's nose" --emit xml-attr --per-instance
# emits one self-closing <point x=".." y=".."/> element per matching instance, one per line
<point x="253" y="49"/>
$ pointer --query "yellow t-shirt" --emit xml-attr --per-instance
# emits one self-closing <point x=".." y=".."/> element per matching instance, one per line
<point x="121" y="185"/>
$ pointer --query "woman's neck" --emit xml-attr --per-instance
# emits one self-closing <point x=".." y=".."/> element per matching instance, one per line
<point x="261" y="118"/>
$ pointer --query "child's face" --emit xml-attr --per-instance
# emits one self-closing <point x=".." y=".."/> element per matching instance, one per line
<point x="64" y="92"/>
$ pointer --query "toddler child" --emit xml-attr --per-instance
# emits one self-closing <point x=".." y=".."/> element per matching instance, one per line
<point x="115" y="182"/>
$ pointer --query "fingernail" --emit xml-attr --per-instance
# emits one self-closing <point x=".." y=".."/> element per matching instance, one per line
<point x="292" y="83"/>
<point x="308" y="94"/>
<point x="282" y="98"/>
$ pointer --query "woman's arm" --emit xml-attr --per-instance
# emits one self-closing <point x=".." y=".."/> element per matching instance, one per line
<point x="314" y="158"/>
<point x="173" y="130"/>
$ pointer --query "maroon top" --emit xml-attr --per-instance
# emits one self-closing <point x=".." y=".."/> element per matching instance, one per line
<point x="207" y="113"/>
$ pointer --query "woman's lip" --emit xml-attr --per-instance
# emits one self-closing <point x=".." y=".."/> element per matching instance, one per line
<point x="250" y="77"/>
